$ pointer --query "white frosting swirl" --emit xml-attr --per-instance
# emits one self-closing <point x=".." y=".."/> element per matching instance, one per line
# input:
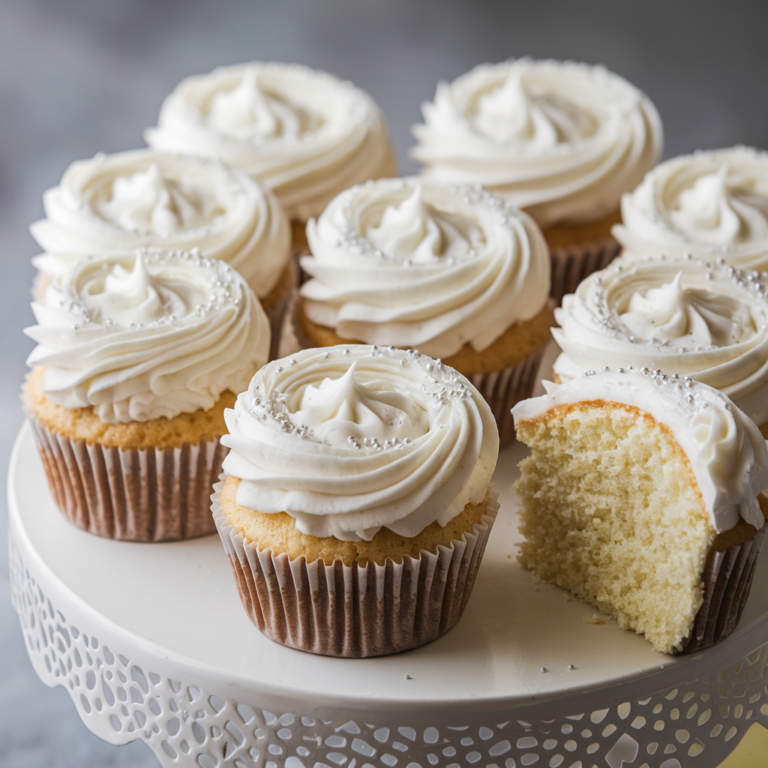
<point x="150" y="199"/>
<point x="305" y="134"/>
<point x="348" y="440"/>
<point x="147" y="335"/>
<point x="421" y="264"/>
<point x="707" y="204"/>
<point x="691" y="318"/>
<point x="727" y="453"/>
<point x="561" y="140"/>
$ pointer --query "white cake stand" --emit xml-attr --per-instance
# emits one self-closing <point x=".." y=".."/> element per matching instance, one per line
<point x="151" y="642"/>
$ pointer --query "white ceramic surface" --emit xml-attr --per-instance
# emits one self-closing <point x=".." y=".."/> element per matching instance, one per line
<point x="152" y="644"/>
<point x="181" y="598"/>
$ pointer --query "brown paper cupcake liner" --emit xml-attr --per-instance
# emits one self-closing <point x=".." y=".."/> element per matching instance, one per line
<point x="727" y="581"/>
<point x="571" y="264"/>
<point x="503" y="389"/>
<point x="131" y="494"/>
<point x="354" y="611"/>
<point x="500" y="389"/>
<point x="277" y="306"/>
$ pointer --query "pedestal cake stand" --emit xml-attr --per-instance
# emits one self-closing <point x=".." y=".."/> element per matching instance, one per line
<point x="151" y="642"/>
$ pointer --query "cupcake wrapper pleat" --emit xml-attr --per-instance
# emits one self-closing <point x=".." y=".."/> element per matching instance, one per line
<point x="571" y="264"/>
<point x="133" y="494"/>
<point x="354" y="611"/>
<point x="727" y="581"/>
<point x="503" y="389"/>
<point x="278" y="308"/>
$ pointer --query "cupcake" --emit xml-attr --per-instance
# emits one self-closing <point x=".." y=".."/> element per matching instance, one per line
<point x="640" y="496"/>
<point x="709" y="205"/>
<point x="356" y="506"/>
<point x="692" y="318"/>
<point x="137" y="357"/>
<point x="145" y="199"/>
<point x="452" y="271"/>
<point x="304" y="134"/>
<point x="563" y="141"/>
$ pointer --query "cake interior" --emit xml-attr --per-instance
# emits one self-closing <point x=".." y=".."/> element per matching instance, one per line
<point x="610" y="510"/>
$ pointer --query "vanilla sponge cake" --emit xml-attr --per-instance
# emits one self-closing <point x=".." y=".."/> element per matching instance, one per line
<point x="357" y="501"/>
<point x="640" y="496"/>
<point x="452" y="271"/>
<point x="137" y="356"/>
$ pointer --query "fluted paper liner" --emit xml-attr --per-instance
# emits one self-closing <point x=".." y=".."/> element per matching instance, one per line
<point x="132" y="494"/>
<point x="354" y="611"/>
<point x="571" y="264"/>
<point x="503" y="389"/>
<point x="727" y="580"/>
<point x="500" y="389"/>
<point x="278" y="306"/>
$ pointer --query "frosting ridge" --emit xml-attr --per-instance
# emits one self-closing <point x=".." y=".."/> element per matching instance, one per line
<point x="708" y="204"/>
<point x="350" y="439"/>
<point x="418" y="264"/>
<point x="303" y="133"/>
<point x="143" y="199"/>
<point x="561" y="140"/>
<point x="147" y="335"/>
<point x="708" y="321"/>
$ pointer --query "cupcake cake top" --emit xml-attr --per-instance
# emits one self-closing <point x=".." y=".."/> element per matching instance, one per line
<point x="304" y="134"/>
<point x="351" y="439"/>
<point x="143" y="199"/>
<point x="421" y="264"/>
<point x="726" y="451"/>
<point x="561" y="140"/>
<point x="707" y="204"/>
<point x="696" y="318"/>
<point x="147" y="335"/>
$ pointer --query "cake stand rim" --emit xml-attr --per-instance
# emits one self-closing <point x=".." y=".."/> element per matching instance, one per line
<point x="551" y="704"/>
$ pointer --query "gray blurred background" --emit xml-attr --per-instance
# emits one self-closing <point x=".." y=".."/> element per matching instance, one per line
<point x="82" y="76"/>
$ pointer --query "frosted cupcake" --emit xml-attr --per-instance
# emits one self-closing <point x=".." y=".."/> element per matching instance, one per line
<point x="304" y="134"/>
<point x="694" y="319"/>
<point x="357" y="503"/>
<point x="640" y="496"/>
<point x="137" y="357"/>
<point x="563" y="141"/>
<point x="709" y="205"/>
<point x="144" y="199"/>
<point x="454" y="272"/>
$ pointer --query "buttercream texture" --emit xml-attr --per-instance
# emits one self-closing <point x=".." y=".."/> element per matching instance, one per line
<point x="695" y="318"/>
<point x="142" y="198"/>
<point x="146" y="335"/>
<point x="422" y="264"/>
<point x="303" y="133"/>
<point x="708" y="204"/>
<point x="350" y="439"/>
<point x="561" y="140"/>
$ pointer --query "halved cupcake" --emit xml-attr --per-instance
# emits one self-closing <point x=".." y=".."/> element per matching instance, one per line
<point x="640" y="496"/>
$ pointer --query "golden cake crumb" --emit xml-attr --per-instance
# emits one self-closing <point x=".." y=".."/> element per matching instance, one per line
<point x="563" y="235"/>
<point x="84" y="424"/>
<point x="611" y="511"/>
<point x="278" y="532"/>
<point x="515" y="345"/>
